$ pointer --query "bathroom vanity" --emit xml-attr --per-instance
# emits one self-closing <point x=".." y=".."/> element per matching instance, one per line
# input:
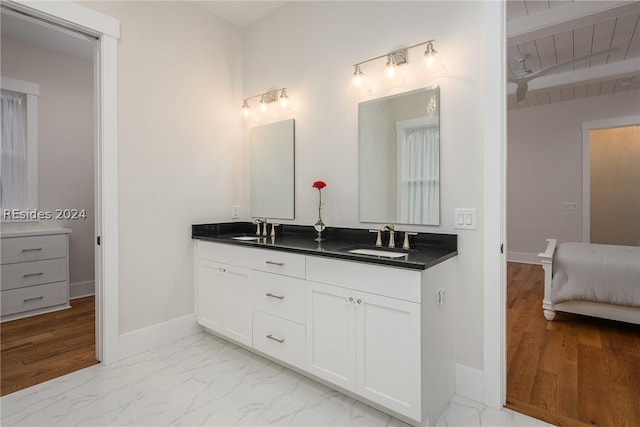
<point x="377" y="327"/>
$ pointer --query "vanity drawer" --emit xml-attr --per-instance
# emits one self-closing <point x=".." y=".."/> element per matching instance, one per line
<point x="282" y="339"/>
<point x="280" y="296"/>
<point x="226" y="254"/>
<point x="386" y="281"/>
<point x="23" y="274"/>
<point x="33" y="248"/>
<point x="278" y="262"/>
<point x="34" y="297"/>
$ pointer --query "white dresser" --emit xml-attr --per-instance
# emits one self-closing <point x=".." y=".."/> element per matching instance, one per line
<point x="35" y="272"/>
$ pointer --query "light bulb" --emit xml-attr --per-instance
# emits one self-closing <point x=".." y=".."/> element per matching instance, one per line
<point x="263" y="104"/>
<point x="391" y="67"/>
<point x="357" y="76"/>
<point x="284" y="99"/>
<point x="430" y="53"/>
<point x="245" y="108"/>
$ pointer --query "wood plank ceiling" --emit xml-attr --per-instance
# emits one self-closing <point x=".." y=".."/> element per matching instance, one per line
<point x="551" y="32"/>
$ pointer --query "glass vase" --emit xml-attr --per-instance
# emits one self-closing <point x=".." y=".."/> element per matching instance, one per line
<point x="319" y="225"/>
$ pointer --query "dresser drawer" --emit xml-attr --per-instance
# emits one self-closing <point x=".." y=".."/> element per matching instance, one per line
<point x="22" y="274"/>
<point x="33" y="248"/>
<point x="34" y="297"/>
<point x="280" y="296"/>
<point x="279" y="338"/>
<point x="279" y="262"/>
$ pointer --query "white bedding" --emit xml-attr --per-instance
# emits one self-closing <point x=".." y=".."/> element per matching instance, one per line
<point x="600" y="273"/>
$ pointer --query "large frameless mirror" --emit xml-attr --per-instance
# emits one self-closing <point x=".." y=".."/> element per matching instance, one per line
<point x="399" y="158"/>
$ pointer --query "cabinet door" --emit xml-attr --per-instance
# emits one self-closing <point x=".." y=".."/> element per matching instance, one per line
<point x="237" y="304"/>
<point x="331" y="334"/>
<point x="210" y="285"/>
<point x="388" y="352"/>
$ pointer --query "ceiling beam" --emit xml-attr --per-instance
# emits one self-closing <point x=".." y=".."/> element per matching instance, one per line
<point x="563" y="18"/>
<point x="586" y="75"/>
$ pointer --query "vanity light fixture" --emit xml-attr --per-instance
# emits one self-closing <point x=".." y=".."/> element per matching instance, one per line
<point x="395" y="59"/>
<point x="266" y="99"/>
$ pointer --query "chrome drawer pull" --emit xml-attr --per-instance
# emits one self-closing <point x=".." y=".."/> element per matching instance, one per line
<point x="32" y="250"/>
<point x="275" y="263"/>
<point x="32" y="274"/>
<point x="33" y="299"/>
<point x="280" y="297"/>
<point x="271" y="337"/>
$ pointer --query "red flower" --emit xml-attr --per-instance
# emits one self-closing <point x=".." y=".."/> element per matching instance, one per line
<point x="319" y="185"/>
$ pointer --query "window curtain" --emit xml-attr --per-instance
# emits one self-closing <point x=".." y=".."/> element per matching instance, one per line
<point x="419" y="169"/>
<point x="13" y="154"/>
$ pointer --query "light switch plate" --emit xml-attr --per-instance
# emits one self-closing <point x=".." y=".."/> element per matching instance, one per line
<point x="464" y="219"/>
<point x="235" y="212"/>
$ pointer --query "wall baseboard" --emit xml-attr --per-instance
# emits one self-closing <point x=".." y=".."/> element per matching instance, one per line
<point x="82" y="289"/>
<point x="524" y="257"/>
<point x="469" y="383"/>
<point x="145" y="339"/>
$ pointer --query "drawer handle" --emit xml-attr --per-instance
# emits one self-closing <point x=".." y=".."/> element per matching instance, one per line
<point x="271" y="337"/>
<point x="32" y="250"/>
<point x="280" y="264"/>
<point x="280" y="297"/>
<point x="32" y="274"/>
<point x="33" y="299"/>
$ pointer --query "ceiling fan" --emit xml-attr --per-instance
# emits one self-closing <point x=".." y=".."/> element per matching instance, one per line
<point x="523" y="75"/>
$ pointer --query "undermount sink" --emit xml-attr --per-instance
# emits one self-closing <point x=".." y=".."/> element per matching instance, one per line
<point x="247" y="237"/>
<point x="377" y="252"/>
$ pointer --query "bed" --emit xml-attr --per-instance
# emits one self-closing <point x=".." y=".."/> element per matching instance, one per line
<point x="591" y="279"/>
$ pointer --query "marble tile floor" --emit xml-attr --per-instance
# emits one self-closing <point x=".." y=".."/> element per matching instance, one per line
<point x="203" y="380"/>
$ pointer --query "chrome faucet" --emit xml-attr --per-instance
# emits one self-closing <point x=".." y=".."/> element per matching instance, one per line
<point x="392" y="234"/>
<point x="259" y="221"/>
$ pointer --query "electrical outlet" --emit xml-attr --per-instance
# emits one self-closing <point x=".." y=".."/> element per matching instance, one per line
<point x="235" y="212"/>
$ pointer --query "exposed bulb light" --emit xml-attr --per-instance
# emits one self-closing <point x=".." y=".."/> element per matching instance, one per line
<point x="357" y="76"/>
<point x="430" y="53"/>
<point x="245" y="108"/>
<point x="263" y="104"/>
<point x="284" y="99"/>
<point x="391" y="66"/>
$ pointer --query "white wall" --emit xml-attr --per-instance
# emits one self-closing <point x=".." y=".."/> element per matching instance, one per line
<point x="545" y="169"/>
<point x="65" y="142"/>
<point x="179" y="75"/>
<point x="310" y="48"/>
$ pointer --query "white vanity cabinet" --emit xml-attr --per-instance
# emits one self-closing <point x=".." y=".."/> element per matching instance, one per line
<point x="382" y="334"/>
<point x="223" y="295"/>
<point x="364" y="342"/>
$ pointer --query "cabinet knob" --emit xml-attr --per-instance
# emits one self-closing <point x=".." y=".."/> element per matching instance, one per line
<point x="350" y="300"/>
<point x="221" y="270"/>
<point x="280" y="297"/>
<point x="359" y="301"/>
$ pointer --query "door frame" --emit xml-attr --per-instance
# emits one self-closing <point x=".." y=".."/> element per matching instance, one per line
<point x="107" y="30"/>
<point x="587" y="127"/>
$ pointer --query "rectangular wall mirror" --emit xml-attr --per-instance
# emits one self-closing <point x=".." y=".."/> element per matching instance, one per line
<point x="273" y="170"/>
<point x="399" y="158"/>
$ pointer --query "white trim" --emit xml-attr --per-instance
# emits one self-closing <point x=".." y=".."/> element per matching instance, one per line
<point x="523" y="257"/>
<point x="494" y="206"/>
<point x="82" y="289"/>
<point x="107" y="30"/>
<point x="587" y="127"/>
<point x="469" y="383"/>
<point x="157" y="335"/>
<point x="21" y="86"/>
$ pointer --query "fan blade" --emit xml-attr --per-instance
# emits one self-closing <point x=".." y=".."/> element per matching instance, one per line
<point x="522" y="90"/>
<point x="557" y="67"/>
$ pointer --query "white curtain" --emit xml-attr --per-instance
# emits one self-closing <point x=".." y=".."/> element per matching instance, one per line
<point x="419" y="170"/>
<point x="13" y="154"/>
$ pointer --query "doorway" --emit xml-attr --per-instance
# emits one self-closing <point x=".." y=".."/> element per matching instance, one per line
<point x="611" y="178"/>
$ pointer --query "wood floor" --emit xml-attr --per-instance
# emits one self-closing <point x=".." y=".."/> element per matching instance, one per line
<point x="572" y="371"/>
<point x="40" y="348"/>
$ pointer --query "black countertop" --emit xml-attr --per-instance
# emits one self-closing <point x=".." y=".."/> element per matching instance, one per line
<point x="427" y="249"/>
